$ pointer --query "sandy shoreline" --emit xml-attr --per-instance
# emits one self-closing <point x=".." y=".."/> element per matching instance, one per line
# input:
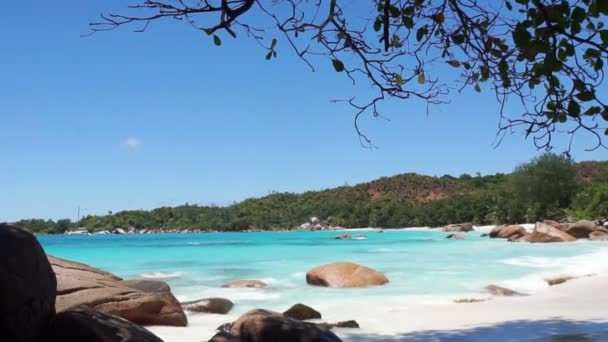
<point x="575" y="307"/>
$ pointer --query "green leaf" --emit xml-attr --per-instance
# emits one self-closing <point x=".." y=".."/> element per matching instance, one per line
<point x="377" y="24"/>
<point x="338" y="65"/>
<point x="509" y="6"/>
<point x="593" y="110"/>
<point x="273" y="44"/>
<point x="408" y="22"/>
<point x="394" y="11"/>
<point x="477" y="88"/>
<point x="604" y="36"/>
<point x="269" y="55"/>
<point x="574" y="109"/>
<point x="521" y="37"/>
<point x="578" y="15"/>
<point x="420" y="33"/>
<point x="585" y="96"/>
<point x="399" y="80"/>
<point x="216" y="40"/>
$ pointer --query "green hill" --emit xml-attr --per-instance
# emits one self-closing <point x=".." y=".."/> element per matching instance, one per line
<point x="404" y="200"/>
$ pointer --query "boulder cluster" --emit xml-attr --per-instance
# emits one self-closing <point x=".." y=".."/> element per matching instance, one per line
<point x="50" y="299"/>
<point x="45" y="298"/>
<point x="314" y="223"/>
<point x="551" y="231"/>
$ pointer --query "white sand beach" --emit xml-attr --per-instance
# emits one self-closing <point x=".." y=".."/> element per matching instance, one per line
<point x="575" y="309"/>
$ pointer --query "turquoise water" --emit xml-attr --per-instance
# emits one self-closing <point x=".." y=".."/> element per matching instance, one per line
<point x="421" y="264"/>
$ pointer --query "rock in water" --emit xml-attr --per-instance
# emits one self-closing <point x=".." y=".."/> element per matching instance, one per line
<point x="145" y="302"/>
<point x="210" y="305"/>
<point x="506" y="232"/>
<point x="246" y="283"/>
<point x="455" y="237"/>
<point x="27" y="286"/>
<point x="581" y="229"/>
<point x="268" y="326"/>
<point x="345" y="274"/>
<point x="302" y="312"/>
<point x="546" y="233"/>
<point x="83" y="324"/>
<point x="500" y="291"/>
<point x="461" y="227"/>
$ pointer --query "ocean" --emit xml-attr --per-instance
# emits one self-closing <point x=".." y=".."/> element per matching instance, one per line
<point x="421" y="264"/>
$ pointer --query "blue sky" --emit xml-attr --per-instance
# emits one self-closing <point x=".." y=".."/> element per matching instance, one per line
<point x="135" y="121"/>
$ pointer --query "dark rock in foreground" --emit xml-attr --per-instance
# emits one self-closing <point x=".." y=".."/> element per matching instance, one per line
<point x="210" y="305"/>
<point x="302" y="312"/>
<point x="27" y="286"/>
<point x="83" y="324"/>
<point x="268" y="326"/>
<point x="144" y="302"/>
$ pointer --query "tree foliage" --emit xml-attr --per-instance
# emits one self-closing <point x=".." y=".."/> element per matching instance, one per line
<point x="548" y="56"/>
<point x="548" y="187"/>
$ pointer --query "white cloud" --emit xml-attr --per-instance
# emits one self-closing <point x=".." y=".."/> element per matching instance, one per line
<point x="132" y="144"/>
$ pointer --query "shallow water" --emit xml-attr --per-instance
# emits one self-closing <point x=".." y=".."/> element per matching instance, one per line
<point x="421" y="264"/>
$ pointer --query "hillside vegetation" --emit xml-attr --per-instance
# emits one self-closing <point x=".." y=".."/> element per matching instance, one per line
<point x="548" y="187"/>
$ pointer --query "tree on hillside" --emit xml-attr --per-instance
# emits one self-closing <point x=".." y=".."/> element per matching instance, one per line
<point x="547" y="56"/>
<point x="544" y="186"/>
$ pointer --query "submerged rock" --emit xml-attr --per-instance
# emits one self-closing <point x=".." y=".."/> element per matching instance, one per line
<point x="82" y="323"/>
<point x="345" y="274"/>
<point x="455" y="237"/>
<point x="209" y="305"/>
<point x="500" y="291"/>
<point x="267" y="326"/>
<point x="27" y="286"/>
<point x="246" y="283"/>
<point x="302" y="312"/>
<point x="343" y="237"/>
<point x="145" y="302"/>
<point x="558" y="280"/>
<point x="346" y="324"/>
<point x="460" y="227"/>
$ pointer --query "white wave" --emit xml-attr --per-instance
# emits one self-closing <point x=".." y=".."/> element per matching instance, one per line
<point x="575" y="266"/>
<point x="298" y="275"/>
<point x="234" y="294"/>
<point x="161" y="275"/>
<point x="274" y="282"/>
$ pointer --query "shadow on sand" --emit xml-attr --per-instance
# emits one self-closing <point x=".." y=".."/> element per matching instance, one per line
<point x="550" y="330"/>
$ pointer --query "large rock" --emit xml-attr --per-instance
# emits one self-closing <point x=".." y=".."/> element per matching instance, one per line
<point x="506" y="232"/>
<point x="461" y="227"/>
<point x="581" y="229"/>
<point x="246" y="283"/>
<point x="210" y="305"/>
<point x="82" y="323"/>
<point x="302" y="312"/>
<point x="144" y="302"/>
<point x="268" y="326"/>
<point x="598" y="236"/>
<point x="345" y="274"/>
<point x="27" y="286"/>
<point x="555" y="224"/>
<point x="546" y="233"/>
